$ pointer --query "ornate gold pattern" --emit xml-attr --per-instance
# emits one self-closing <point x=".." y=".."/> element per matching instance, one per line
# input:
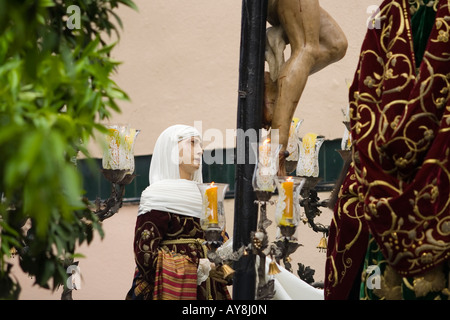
<point x="393" y="285"/>
<point x="414" y="5"/>
<point x="390" y="285"/>
<point x="348" y="222"/>
<point x="396" y="117"/>
<point x="432" y="281"/>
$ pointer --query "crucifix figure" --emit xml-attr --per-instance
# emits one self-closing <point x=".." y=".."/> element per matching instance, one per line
<point x="316" y="41"/>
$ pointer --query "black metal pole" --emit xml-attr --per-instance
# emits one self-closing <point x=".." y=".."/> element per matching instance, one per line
<point x="249" y="121"/>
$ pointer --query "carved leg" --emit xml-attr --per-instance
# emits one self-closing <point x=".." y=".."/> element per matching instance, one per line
<point x="270" y="96"/>
<point x="316" y="41"/>
<point x="276" y="41"/>
<point x="300" y="20"/>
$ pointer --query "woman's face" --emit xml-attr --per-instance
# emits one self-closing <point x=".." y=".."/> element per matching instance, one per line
<point x="190" y="155"/>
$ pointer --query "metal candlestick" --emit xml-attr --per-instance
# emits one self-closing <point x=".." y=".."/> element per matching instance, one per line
<point x="119" y="179"/>
<point x="260" y="247"/>
<point x="310" y="202"/>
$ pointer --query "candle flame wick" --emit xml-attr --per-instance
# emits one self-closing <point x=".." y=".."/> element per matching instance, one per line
<point x="266" y="141"/>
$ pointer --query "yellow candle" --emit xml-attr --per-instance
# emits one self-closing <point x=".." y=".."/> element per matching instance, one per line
<point x="211" y="194"/>
<point x="309" y="143"/>
<point x="292" y="145"/>
<point x="111" y="158"/>
<point x="288" y="212"/>
<point x="129" y="139"/>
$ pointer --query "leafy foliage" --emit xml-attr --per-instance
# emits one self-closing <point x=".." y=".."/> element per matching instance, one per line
<point x="55" y="88"/>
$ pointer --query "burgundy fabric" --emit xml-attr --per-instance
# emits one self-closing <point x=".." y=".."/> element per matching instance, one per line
<point x="400" y="121"/>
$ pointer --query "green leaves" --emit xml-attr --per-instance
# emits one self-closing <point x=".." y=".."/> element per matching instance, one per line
<point x="55" y="87"/>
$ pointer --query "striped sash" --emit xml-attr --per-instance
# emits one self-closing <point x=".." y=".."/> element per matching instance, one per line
<point x="176" y="275"/>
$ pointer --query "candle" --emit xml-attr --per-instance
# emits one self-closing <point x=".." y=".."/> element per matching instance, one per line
<point x="308" y="163"/>
<point x="265" y="169"/>
<point x="309" y="143"/>
<point x="211" y="195"/>
<point x="111" y="158"/>
<point x="292" y="145"/>
<point x="346" y="143"/>
<point x="129" y="139"/>
<point x="288" y="212"/>
<point x="264" y="153"/>
<point x="119" y="155"/>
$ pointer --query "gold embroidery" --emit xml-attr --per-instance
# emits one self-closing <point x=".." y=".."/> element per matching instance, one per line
<point x="390" y="285"/>
<point x="432" y="281"/>
<point x="348" y="208"/>
<point x="386" y="125"/>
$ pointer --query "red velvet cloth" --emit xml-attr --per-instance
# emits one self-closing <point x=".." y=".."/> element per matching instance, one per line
<point x="347" y="241"/>
<point x="400" y="121"/>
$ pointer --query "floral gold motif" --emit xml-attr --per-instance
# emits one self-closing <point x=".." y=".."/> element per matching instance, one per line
<point x="432" y="281"/>
<point x="395" y="119"/>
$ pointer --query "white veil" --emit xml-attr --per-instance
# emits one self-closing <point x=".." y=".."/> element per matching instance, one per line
<point x="167" y="192"/>
<point x="165" y="162"/>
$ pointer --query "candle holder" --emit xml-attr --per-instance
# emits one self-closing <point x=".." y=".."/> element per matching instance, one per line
<point x="288" y="208"/>
<point x="346" y="143"/>
<point x="287" y="217"/>
<point x="311" y="203"/>
<point x="213" y="223"/>
<point x="120" y="152"/>
<point x="294" y="192"/>
<point x="213" y="214"/>
<point x="261" y="248"/>
<point x="117" y="167"/>
<point x="308" y="168"/>
<point x="263" y="180"/>
<point x="266" y="168"/>
<point x="308" y="163"/>
<point x="293" y="146"/>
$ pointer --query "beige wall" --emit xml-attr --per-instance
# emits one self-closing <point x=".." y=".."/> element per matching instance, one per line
<point x="108" y="265"/>
<point x="180" y="65"/>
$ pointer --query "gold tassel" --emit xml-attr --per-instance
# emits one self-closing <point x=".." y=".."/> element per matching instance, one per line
<point x="227" y="271"/>
<point x="322" y="244"/>
<point x="13" y="252"/>
<point x="273" y="268"/>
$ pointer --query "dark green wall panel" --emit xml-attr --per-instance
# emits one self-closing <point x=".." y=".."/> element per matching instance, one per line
<point x="330" y="165"/>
